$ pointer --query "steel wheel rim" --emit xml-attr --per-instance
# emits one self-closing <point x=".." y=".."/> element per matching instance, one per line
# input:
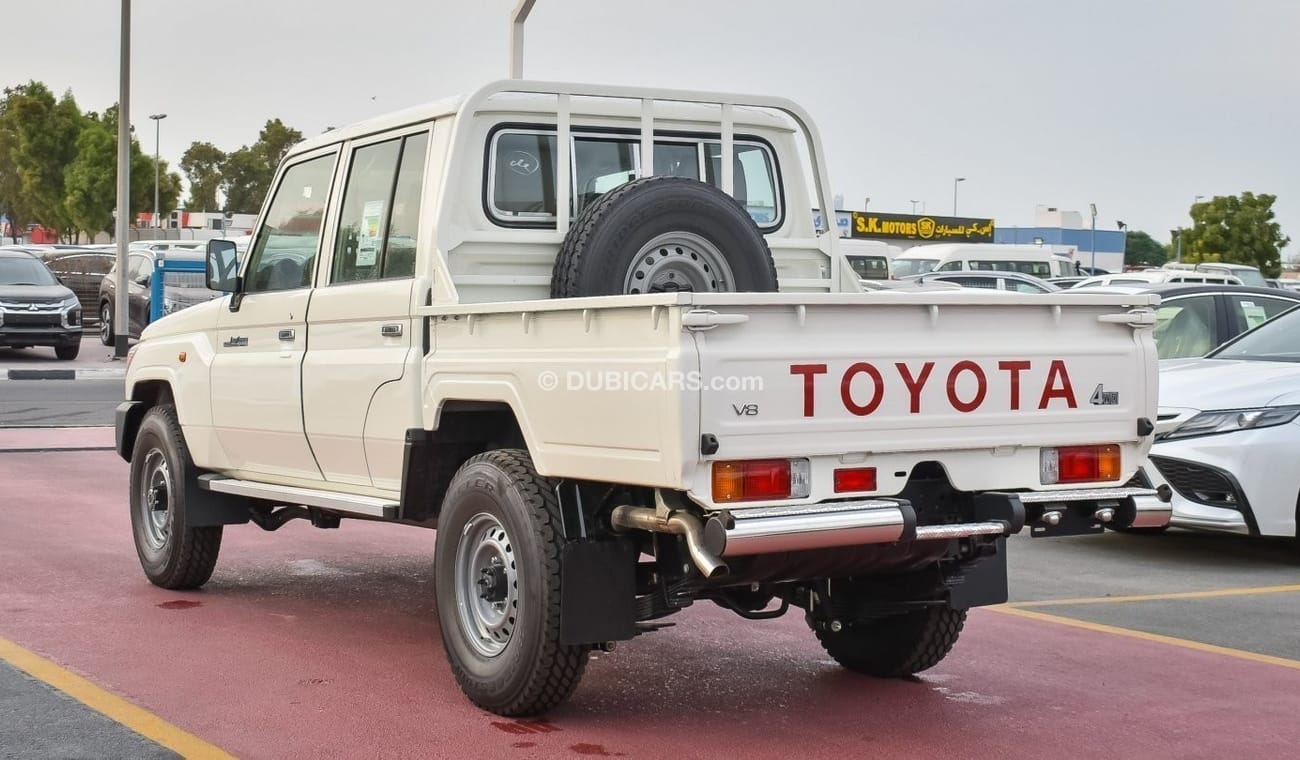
<point x="155" y="499"/>
<point x="679" y="261"/>
<point x="487" y="585"/>
<point x="105" y="324"/>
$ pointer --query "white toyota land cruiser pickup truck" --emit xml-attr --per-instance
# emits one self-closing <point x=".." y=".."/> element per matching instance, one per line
<point x="590" y="334"/>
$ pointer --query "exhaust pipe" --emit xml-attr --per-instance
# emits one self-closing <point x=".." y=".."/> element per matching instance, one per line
<point x="679" y="523"/>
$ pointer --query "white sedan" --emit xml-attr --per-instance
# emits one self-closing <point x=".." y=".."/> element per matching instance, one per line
<point x="1227" y="434"/>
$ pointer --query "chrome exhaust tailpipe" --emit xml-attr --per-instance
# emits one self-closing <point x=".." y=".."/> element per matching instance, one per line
<point x="678" y="523"/>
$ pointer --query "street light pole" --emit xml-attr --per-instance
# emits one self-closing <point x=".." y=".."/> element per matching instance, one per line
<point x="157" y="130"/>
<point x="120" y="312"/>
<point x="914" y="207"/>
<point x="954" y="193"/>
<point x="1092" y="237"/>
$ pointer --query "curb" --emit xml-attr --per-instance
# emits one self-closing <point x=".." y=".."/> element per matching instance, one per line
<point x="63" y="374"/>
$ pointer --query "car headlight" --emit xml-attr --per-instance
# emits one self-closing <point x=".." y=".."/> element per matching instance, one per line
<point x="1232" y="420"/>
<point x="70" y="303"/>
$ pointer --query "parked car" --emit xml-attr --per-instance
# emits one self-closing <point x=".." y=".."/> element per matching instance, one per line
<point x="1067" y="282"/>
<point x="1193" y="319"/>
<point x="1247" y="274"/>
<point x="1227" y="437"/>
<point x="181" y="289"/>
<point x="1013" y="281"/>
<point x="35" y="310"/>
<point x="967" y="257"/>
<point x="82" y="270"/>
<point x="1156" y="276"/>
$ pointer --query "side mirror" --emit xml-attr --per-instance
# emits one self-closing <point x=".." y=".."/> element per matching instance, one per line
<point x="222" y="265"/>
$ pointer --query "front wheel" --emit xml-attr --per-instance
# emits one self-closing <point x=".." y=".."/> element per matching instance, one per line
<point x="898" y="645"/>
<point x="497" y="576"/>
<point x="173" y="555"/>
<point x="67" y="353"/>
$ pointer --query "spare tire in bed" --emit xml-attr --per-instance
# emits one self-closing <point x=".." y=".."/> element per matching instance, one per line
<point x="663" y="234"/>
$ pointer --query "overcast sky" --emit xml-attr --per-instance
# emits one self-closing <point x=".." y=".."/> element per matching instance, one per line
<point x="1136" y="105"/>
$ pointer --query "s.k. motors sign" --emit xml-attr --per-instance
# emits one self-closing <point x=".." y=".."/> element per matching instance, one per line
<point x="910" y="227"/>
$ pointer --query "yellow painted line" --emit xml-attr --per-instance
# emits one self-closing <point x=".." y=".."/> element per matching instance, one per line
<point x="135" y="718"/>
<point x="1240" y="654"/>
<point x="1244" y="591"/>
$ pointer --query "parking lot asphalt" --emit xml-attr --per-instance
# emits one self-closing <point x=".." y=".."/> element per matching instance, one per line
<point x="312" y="643"/>
<point x="95" y="360"/>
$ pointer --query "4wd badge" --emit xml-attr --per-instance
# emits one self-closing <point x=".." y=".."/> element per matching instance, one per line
<point x="1103" y="397"/>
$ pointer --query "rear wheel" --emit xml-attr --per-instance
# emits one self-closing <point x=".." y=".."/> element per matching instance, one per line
<point x="106" y="324"/>
<point x="497" y="569"/>
<point x="172" y="554"/>
<point x="895" y="646"/>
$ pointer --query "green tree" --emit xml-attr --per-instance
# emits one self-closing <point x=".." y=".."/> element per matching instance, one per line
<point x="45" y="135"/>
<point x="12" y="206"/>
<point x="1238" y="229"/>
<point x="1140" y="249"/>
<point x="246" y="173"/>
<point x="90" y="181"/>
<point x="202" y="167"/>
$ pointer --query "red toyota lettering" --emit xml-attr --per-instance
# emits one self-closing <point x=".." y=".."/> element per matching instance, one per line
<point x="808" y="371"/>
<point x="846" y="389"/>
<point x="915" y="384"/>
<point x="981" y="386"/>
<point x="1057" y="386"/>
<point x="1014" y="369"/>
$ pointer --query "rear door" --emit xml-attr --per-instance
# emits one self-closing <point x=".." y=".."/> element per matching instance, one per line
<point x="359" y="364"/>
<point x="257" y="371"/>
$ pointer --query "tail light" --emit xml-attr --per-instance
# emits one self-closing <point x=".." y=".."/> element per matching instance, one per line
<point x="1079" y="464"/>
<point x="855" y="479"/>
<point x="760" y="480"/>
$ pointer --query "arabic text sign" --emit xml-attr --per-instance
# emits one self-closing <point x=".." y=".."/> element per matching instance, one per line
<point x="910" y="227"/>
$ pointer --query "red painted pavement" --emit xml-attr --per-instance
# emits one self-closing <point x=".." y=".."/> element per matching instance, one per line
<point x="311" y="643"/>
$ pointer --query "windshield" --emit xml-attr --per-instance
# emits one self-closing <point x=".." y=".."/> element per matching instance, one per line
<point x="908" y="267"/>
<point x="1277" y="340"/>
<point x="24" y="271"/>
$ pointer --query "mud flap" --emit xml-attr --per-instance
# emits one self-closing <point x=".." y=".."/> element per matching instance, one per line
<point x="597" y="592"/>
<point x="981" y="582"/>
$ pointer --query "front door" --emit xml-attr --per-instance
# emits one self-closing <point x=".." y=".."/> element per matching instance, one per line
<point x="257" y="371"/>
<point x="360" y="376"/>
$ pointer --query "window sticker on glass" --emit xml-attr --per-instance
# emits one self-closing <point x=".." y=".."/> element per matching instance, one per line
<point x="372" y="218"/>
<point x="1255" y="315"/>
<point x="306" y="191"/>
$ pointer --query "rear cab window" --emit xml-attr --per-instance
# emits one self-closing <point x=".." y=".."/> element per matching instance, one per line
<point x="520" y="186"/>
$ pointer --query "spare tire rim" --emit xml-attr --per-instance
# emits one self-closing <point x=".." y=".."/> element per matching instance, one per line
<point x="155" y="499"/>
<point x="487" y="585"/>
<point x="679" y="261"/>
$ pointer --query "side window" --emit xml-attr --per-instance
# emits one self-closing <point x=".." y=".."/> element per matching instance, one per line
<point x="399" y="248"/>
<point x="284" y="255"/>
<point x="1184" y="328"/>
<point x="601" y="166"/>
<point x="523" y="176"/>
<point x="1023" y="287"/>
<point x="753" y="181"/>
<point x="364" y="221"/>
<point x="951" y="266"/>
<point x="1252" y="311"/>
<point x="987" y="283"/>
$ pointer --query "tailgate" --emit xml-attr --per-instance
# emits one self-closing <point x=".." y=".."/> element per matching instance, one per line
<point x="975" y="383"/>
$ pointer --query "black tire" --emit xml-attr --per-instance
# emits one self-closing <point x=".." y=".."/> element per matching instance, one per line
<point x="596" y="258"/>
<point x="67" y="353"/>
<point x="532" y="672"/>
<point x="106" y="324"/>
<point x="895" y="646"/>
<point x="1141" y="531"/>
<point x="174" y="555"/>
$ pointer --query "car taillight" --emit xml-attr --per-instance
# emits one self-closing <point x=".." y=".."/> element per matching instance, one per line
<point x="854" y="479"/>
<point x="760" y="480"/>
<point x="1079" y="464"/>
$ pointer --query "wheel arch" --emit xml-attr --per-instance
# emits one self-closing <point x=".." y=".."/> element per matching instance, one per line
<point x="464" y="429"/>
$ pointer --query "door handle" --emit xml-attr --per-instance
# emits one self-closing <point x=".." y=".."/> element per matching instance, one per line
<point x="391" y="331"/>
<point x="286" y="335"/>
